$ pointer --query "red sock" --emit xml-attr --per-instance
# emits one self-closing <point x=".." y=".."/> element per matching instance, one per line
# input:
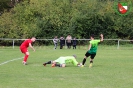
<point x="25" y="58"/>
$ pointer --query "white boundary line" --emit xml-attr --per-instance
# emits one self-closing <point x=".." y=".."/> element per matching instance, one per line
<point x="10" y="61"/>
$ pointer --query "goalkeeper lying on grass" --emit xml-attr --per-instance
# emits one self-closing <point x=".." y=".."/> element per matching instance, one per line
<point x="63" y="61"/>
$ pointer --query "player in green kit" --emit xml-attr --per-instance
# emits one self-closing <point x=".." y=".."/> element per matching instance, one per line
<point x="62" y="61"/>
<point x="92" y="50"/>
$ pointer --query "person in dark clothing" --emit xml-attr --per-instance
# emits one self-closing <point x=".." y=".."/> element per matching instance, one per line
<point x="62" y="42"/>
<point x="74" y="43"/>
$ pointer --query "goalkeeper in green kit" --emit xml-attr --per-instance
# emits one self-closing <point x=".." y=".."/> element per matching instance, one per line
<point x="92" y="50"/>
<point x="62" y="61"/>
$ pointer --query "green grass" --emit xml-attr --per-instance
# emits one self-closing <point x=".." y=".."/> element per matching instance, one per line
<point x="112" y="68"/>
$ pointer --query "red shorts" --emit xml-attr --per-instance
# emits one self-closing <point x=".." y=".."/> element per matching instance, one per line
<point x="23" y="50"/>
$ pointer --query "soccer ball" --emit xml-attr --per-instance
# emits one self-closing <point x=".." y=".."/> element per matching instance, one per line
<point x="80" y="64"/>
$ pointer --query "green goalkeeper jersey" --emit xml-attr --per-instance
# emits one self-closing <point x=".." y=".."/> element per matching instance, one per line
<point x="71" y="59"/>
<point x="94" y="45"/>
<point x="67" y="60"/>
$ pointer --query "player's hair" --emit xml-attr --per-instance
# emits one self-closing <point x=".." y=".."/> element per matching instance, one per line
<point x="74" y="56"/>
<point x="92" y="35"/>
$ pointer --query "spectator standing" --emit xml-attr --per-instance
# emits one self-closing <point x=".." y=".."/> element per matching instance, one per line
<point x="55" y="40"/>
<point x="74" y="41"/>
<point x="62" y="42"/>
<point x="68" y="41"/>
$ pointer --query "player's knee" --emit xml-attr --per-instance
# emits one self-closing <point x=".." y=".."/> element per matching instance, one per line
<point x="27" y="53"/>
<point x="85" y="57"/>
<point x="63" y="65"/>
<point x="53" y="62"/>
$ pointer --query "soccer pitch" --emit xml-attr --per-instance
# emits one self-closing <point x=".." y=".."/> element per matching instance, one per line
<point x="112" y="68"/>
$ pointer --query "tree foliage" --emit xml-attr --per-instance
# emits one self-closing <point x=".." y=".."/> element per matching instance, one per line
<point x="80" y="18"/>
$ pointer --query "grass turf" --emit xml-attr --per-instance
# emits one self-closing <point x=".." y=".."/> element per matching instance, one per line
<point x="112" y="68"/>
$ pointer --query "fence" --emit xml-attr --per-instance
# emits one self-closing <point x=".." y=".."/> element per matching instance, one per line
<point x="39" y="42"/>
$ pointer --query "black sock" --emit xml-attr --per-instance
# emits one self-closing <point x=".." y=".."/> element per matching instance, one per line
<point x="57" y="65"/>
<point x="83" y="62"/>
<point x="91" y="61"/>
<point x="49" y="62"/>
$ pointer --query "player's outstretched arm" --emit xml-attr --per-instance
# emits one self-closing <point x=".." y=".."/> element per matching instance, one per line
<point x="31" y="47"/>
<point x="101" y="38"/>
<point x="74" y="62"/>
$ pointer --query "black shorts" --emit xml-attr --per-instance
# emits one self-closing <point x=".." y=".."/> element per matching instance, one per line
<point x="91" y="55"/>
<point x="68" y="44"/>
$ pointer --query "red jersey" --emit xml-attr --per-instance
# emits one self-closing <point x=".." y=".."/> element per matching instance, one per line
<point x="25" y="44"/>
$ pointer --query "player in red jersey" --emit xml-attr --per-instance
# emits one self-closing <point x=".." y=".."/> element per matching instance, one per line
<point x="23" y="47"/>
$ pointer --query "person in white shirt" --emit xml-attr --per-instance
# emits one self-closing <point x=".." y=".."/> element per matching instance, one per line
<point x="55" y="40"/>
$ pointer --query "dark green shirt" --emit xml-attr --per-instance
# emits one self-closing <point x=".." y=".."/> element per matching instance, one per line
<point x="94" y="45"/>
